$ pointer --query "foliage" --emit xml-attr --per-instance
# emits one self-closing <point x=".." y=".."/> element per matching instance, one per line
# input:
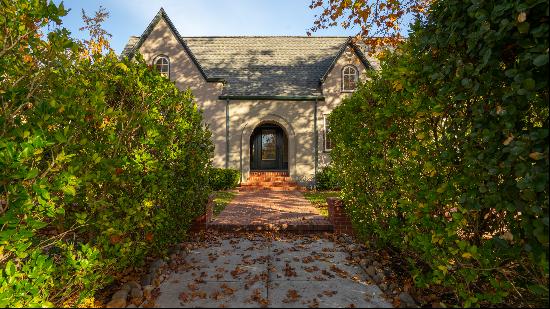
<point x="380" y="21"/>
<point x="102" y="161"/>
<point x="444" y="152"/>
<point x="327" y="179"/>
<point x="224" y="178"/>
<point x="222" y="199"/>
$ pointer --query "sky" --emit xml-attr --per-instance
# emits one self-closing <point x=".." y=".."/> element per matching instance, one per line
<point x="200" y="18"/>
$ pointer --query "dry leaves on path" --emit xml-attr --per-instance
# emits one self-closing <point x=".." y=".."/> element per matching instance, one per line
<point x="257" y="297"/>
<point x="329" y="293"/>
<point x="340" y="272"/>
<point x="291" y="296"/>
<point x="238" y="271"/>
<point x="289" y="271"/>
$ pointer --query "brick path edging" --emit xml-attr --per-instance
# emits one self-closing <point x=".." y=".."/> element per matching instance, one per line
<point x="200" y="223"/>
<point x="338" y="216"/>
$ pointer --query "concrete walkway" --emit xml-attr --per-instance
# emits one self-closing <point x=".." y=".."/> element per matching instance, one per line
<point x="265" y="270"/>
<point x="270" y="210"/>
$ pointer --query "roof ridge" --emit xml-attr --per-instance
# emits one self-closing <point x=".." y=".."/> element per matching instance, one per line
<point x="264" y="36"/>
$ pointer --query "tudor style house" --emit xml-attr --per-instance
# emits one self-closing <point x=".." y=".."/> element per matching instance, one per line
<point x="265" y="98"/>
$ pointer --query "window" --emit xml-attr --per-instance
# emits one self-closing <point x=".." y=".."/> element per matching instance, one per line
<point x="162" y="64"/>
<point x="349" y="78"/>
<point x="268" y="145"/>
<point x="326" y="131"/>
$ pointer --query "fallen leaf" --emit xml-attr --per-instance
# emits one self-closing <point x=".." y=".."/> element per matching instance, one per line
<point x="291" y="296"/>
<point x="257" y="297"/>
<point x="289" y="271"/>
<point x="314" y="303"/>
<point x="339" y="272"/>
<point x="329" y="293"/>
<point x="227" y="290"/>
<point x="311" y="269"/>
<point x="216" y="295"/>
<point x="238" y="271"/>
<point x="183" y="297"/>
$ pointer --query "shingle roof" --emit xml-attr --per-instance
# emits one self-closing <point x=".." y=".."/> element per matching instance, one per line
<point x="132" y="41"/>
<point x="267" y="65"/>
<point x="260" y="65"/>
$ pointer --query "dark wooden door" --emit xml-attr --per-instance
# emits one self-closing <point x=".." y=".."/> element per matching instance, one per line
<point x="268" y="146"/>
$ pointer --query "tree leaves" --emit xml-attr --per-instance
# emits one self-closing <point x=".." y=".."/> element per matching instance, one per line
<point x="77" y="166"/>
<point x="472" y="144"/>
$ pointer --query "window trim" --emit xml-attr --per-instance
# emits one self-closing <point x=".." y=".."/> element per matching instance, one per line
<point x="356" y="78"/>
<point x="159" y="57"/>
<point x="325" y="148"/>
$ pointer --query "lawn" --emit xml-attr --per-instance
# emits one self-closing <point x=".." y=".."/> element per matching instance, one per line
<point x="319" y="199"/>
<point x="221" y="200"/>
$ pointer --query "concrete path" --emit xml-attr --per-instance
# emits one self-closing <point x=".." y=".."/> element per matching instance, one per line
<point x="275" y="210"/>
<point x="266" y="270"/>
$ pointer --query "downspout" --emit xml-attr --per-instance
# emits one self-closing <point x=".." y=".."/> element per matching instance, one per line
<point x="316" y="143"/>
<point x="227" y="133"/>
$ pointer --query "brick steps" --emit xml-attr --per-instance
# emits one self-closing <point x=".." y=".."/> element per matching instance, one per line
<point x="259" y="188"/>
<point x="269" y="180"/>
<point x="269" y="173"/>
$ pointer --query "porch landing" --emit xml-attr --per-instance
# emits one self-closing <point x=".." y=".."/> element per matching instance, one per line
<point x="270" y="210"/>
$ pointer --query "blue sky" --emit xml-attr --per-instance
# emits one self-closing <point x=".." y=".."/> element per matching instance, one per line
<point x="196" y="18"/>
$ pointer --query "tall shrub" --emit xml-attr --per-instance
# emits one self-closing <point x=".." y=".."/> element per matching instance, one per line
<point x="444" y="152"/>
<point x="224" y="178"/>
<point x="102" y="161"/>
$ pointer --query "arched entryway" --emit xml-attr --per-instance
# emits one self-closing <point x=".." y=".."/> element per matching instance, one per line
<point x="268" y="148"/>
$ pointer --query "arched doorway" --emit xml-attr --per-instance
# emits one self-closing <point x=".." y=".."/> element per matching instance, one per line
<point x="268" y="148"/>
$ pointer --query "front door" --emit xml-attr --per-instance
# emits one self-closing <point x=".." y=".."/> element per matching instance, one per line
<point x="268" y="148"/>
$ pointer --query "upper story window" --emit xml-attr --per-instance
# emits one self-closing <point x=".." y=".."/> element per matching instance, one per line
<point x="162" y="64"/>
<point x="349" y="78"/>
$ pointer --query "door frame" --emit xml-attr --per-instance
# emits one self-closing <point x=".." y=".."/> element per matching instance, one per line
<point x="256" y="161"/>
<point x="246" y="129"/>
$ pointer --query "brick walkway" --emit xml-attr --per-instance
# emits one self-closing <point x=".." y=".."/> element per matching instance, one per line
<point x="270" y="210"/>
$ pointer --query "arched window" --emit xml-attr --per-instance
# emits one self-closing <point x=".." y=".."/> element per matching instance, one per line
<point x="162" y="64"/>
<point x="349" y="78"/>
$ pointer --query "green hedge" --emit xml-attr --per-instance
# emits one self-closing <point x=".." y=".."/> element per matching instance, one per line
<point x="327" y="179"/>
<point x="223" y="179"/>
<point x="444" y="152"/>
<point x="102" y="162"/>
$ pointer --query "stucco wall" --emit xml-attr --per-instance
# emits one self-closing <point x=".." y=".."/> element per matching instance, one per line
<point x="295" y="117"/>
<point x="185" y="74"/>
<point x="332" y="91"/>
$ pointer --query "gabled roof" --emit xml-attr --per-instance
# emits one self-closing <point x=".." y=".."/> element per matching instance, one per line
<point x="162" y="14"/>
<point x="260" y="66"/>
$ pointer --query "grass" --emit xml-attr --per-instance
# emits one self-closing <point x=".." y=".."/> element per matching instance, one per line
<point x="319" y="199"/>
<point x="221" y="200"/>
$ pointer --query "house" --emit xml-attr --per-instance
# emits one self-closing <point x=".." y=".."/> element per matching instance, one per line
<point x="265" y="98"/>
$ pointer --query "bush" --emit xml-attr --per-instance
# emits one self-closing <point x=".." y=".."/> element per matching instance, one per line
<point x="103" y="161"/>
<point x="444" y="152"/>
<point x="327" y="179"/>
<point x="223" y="179"/>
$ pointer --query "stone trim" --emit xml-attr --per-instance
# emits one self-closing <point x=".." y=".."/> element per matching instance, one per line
<point x="358" y="53"/>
